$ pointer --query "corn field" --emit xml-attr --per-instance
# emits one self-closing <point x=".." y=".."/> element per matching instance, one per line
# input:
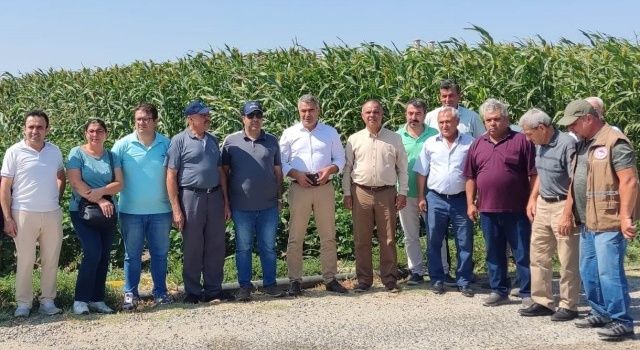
<point x="523" y="74"/>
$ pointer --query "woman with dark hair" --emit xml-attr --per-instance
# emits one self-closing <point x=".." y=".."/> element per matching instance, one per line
<point x="95" y="175"/>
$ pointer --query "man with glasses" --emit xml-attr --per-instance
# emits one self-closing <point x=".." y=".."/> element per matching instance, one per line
<point x="197" y="189"/>
<point x="605" y="197"/>
<point x="144" y="209"/>
<point x="251" y="162"/>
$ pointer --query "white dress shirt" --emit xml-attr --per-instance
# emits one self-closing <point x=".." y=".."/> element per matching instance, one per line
<point x="309" y="151"/>
<point x="442" y="165"/>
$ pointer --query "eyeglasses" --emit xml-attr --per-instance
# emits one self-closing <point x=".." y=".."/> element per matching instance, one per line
<point x="254" y="115"/>
<point x="96" y="131"/>
<point x="144" y="120"/>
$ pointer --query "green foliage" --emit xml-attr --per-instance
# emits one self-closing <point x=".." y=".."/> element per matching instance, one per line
<point x="524" y="74"/>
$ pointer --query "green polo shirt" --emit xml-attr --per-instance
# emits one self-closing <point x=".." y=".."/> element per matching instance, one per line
<point x="413" y="146"/>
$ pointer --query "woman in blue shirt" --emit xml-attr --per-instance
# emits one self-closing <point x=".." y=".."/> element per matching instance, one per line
<point x="94" y="174"/>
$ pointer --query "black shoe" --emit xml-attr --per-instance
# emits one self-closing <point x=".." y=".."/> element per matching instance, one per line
<point x="336" y="287"/>
<point x="616" y="331"/>
<point x="536" y="310"/>
<point x="221" y="296"/>
<point x="438" y="287"/>
<point x="592" y="321"/>
<point x="392" y="287"/>
<point x="191" y="299"/>
<point x="564" y="315"/>
<point x="467" y="291"/>
<point x="450" y="281"/>
<point x="243" y="294"/>
<point x="415" y="279"/>
<point x="294" y="289"/>
<point x="362" y="287"/>
<point x="273" y="291"/>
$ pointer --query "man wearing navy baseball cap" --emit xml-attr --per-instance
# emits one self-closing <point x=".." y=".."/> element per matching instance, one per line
<point x="197" y="189"/>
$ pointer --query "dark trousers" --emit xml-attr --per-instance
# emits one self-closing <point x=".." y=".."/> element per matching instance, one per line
<point x="203" y="241"/>
<point x="92" y="274"/>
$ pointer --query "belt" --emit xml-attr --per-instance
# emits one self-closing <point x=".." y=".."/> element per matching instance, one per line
<point x="450" y="196"/>
<point x="554" y="199"/>
<point x="201" y="190"/>
<point x="375" y="188"/>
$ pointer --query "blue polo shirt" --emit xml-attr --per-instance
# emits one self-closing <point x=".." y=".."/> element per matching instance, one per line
<point x="145" y="189"/>
<point x="95" y="172"/>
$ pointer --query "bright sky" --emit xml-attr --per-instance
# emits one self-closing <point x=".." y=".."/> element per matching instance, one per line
<point x="69" y="34"/>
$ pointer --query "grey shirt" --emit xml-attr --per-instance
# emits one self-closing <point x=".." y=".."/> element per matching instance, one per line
<point x="622" y="157"/>
<point x="553" y="163"/>
<point x="196" y="160"/>
<point x="252" y="180"/>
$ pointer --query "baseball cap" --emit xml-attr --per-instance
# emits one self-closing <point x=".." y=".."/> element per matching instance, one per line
<point x="576" y="109"/>
<point x="251" y="106"/>
<point x="196" y="107"/>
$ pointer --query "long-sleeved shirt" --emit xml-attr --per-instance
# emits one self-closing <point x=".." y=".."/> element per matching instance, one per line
<point x="309" y="151"/>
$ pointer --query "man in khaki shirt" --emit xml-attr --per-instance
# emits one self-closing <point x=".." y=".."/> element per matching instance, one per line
<point x="375" y="162"/>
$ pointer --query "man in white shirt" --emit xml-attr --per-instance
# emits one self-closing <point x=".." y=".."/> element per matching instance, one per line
<point x="311" y="152"/>
<point x="33" y="180"/>
<point x="440" y="166"/>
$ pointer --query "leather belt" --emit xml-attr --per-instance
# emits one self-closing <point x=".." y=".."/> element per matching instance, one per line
<point x="449" y="196"/>
<point x="554" y="199"/>
<point x="201" y="190"/>
<point x="375" y="188"/>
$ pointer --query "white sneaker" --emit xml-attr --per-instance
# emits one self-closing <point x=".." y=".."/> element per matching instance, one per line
<point x="22" y="311"/>
<point x="80" y="308"/>
<point x="48" y="307"/>
<point x="100" y="307"/>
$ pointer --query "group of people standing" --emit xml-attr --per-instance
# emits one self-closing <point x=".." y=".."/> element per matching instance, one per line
<point x="534" y="192"/>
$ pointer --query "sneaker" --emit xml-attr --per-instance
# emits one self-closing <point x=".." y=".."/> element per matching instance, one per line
<point x="80" y="308"/>
<point x="467" y="291"/>
<point x="616" y="330"/>
<point x="564" y="315"/>
<point x="515" y="292"/>
<point x="592" y="321"/>
<point x="219" y="297"/>
<point x="243" y="294"/>
<point x="362" y="287"/>
<point x="273" y="291"/>
<point x="191" y="299"/>
<point x="336" y="287"/>
<point x="294" y="289"/>
<point x="415" y="279"/>
<point x="526" y="302"/>
<point x="162" y="300"/>
<point x="48" y="307"/>
<point x="100" y="307"/>
<point x="392" y="287"/>
<point x="450" y="281"/>
<point x="535" y="310"/>
<point x="130" y="301"/>
<point x="22" y="311"/>
<point x="495" y="299"/>
<point x="437" y="287"/>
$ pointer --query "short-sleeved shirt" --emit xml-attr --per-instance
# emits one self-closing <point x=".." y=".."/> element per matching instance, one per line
<point x="34" y="174"/>
<point x="414" y="146"/>
<point x="622" y="157"/>
<point x="95" y="172"/>
<point x="145" y="187"/>
<point x="553" y="164"/>
<point x="444" y="165"/>
<point x="252" y="180"/>
<point x="196" y="160"/>
<point x="501" y="172"/>
<point x="470" y="121"/>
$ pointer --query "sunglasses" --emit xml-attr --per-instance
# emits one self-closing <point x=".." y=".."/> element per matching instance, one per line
<point x="254" y="115"/>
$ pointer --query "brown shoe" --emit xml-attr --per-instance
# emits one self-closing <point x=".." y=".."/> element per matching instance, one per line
<point x="362" y="287"/>
<point x="392" y="287"/>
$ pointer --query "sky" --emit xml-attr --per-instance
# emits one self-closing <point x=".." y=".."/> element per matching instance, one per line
<point x="77" y="34"/>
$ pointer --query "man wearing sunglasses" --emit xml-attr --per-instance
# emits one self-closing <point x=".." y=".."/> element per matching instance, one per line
<point x="251" y="162"/>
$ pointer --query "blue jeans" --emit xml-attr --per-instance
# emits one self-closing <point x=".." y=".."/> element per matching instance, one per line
<point x="261" y="224"/>
<point x="442" y="212"/>
<point x="602" y="273"/>
<point x="498" y="229"/>
<point x="96" y="246"/>
<point x="155" y="229"/>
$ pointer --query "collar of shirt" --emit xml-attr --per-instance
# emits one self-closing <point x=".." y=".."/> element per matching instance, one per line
<point x="554" y="138"/>
<point x="262" y="136"/>
<point x="406" y="135"/>
<point x="510" y="134"/>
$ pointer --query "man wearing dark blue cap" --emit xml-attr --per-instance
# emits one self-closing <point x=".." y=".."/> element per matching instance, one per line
<point x="197" y="189"/>
<point x="251" y="161"/>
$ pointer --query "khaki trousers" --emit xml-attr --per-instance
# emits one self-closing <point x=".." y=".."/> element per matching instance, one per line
<point x="319" y="200"/>
<point x="46" y="230"/>
<point x="545" y="240"/>
<point x="375" y="208"/>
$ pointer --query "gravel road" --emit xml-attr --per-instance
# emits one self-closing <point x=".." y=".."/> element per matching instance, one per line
<point x="413" y="319"/>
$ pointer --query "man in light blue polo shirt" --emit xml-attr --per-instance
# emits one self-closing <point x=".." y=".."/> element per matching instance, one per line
<point x="145" y="212"/>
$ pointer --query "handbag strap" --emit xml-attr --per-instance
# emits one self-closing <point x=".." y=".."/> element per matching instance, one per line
<point x="113" y="174"/>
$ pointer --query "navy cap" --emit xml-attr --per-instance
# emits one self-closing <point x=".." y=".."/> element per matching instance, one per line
<point x="251" y="106"/>
<point x="196" y="107"/>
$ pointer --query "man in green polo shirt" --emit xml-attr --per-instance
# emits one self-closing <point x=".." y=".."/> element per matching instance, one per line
<point x="413" y="134"/>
